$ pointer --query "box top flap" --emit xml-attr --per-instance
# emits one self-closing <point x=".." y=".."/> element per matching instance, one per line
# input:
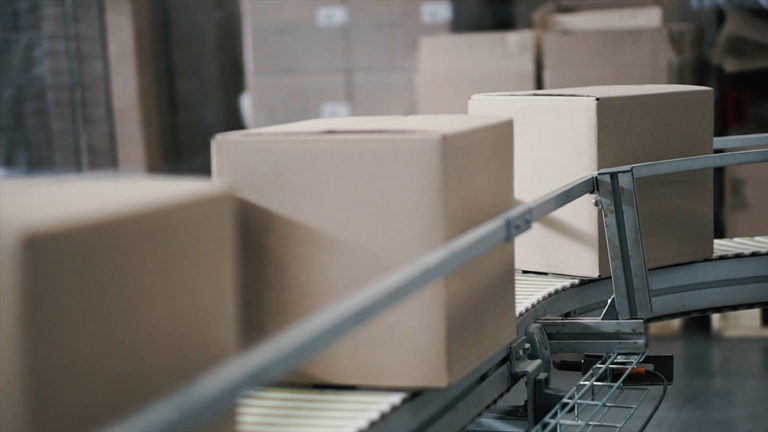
<point x="48" y="203"/>
<point x="510" y="49"/>
<point x="427" y="125"/>
<point x="600" y="92"/>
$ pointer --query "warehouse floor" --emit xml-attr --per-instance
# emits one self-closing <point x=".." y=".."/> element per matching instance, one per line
<point x="720" y="385"/>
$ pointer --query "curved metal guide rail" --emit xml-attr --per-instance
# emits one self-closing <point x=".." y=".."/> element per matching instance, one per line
<point x="635" y="293"/>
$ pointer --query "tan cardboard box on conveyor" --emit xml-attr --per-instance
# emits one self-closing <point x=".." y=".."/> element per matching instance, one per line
<point x="331" y="204"/>
<point x="113" y="292"/>
<point x="564" y="134"/>
<point x="453" y="67"/>
<point x="620" y="45"/>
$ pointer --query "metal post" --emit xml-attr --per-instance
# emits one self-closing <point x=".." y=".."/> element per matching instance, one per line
<point x="618" y="195"/>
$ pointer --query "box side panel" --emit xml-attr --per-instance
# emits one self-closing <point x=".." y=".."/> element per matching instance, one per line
<point x="555" y="143"/>
<point x="378" y="35"/>
<point x="124" y="311"/>
<point x="322" y="216"/>
<point x="294" y="35"/>
<point x="676" y="211"/>
<point x="293" y="97"/>
<point x="382" y="92"/>
<point x="606" y="57"/>
<point x="648" y="73"/>
<point x="477" y="186"/>
<point x="13" y="410"/>
<point x="449" y="91"/>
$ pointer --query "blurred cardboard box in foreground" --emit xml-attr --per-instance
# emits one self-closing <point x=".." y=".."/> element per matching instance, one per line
<point x="113" y="292"/>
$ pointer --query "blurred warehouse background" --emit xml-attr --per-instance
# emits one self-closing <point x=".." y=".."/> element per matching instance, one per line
<point x="94" y="84"/>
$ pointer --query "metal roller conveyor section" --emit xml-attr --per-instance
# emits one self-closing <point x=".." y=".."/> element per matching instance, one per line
<point x="555" y="314"/>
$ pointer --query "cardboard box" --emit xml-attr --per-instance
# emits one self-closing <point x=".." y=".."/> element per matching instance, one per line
<point x="451" y="68"/>
<point x="746" y="200"/>
<point x="379" y="35"/>
<point x="583" y="58"/>
<point x="113" y="291"/>
<point x="620" y="18"/>
<point x="599" y="43"/>
<point x="330" y="205"/>
<point x="294" y="35"/>
<point x="293" y="97"/>
<point x="382" y="92"/>
<point x="564" y="134"/>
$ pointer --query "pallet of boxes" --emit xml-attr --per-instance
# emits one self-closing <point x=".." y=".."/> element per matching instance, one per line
<point x="333" y="58"/>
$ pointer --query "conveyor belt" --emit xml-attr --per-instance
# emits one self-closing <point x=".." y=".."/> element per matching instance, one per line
<point x="321" y="410"/>
<point x="313" y="410"/>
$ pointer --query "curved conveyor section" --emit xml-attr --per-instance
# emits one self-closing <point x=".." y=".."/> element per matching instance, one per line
<point x="736" y="276"/>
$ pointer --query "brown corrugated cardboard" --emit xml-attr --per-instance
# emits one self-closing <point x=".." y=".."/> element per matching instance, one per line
<point x="598" y="43"/>
<point x="294" y="35"/>
<point x="114" y="291"/>
<point x="382" y="92"/>
<point x="563" y="134"/>
<point x="294" y="97"/>
<point x="379" y="34"/>
<point x="450" y="68"/>
<point x="746" y="200"/>
<point x="607" y="57"/>
<point x="619" y="18"/>
<point x="383" y="34"/>
<point x="329" y="205"/>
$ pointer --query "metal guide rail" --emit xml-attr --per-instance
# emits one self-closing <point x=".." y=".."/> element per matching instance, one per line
<point x="628" y="299"/>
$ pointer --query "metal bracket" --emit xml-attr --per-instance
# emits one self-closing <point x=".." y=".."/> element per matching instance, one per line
<point x="610" y="313"/>
<point x="618" y="199"/>
<point x="594" y="335"/>
<point x="531" y="357"/>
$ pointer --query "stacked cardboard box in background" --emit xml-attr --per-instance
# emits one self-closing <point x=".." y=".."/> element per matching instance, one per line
<point x="451" y="68"/>
<point x="324" y="58"/>
<point x="614" y="45"/>
<point x="113" y="291"/>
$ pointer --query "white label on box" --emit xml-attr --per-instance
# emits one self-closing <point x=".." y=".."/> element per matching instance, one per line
<point x="331" y="16"/>
<point x="436" y="12"/>
<point x="335" y="109"/>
